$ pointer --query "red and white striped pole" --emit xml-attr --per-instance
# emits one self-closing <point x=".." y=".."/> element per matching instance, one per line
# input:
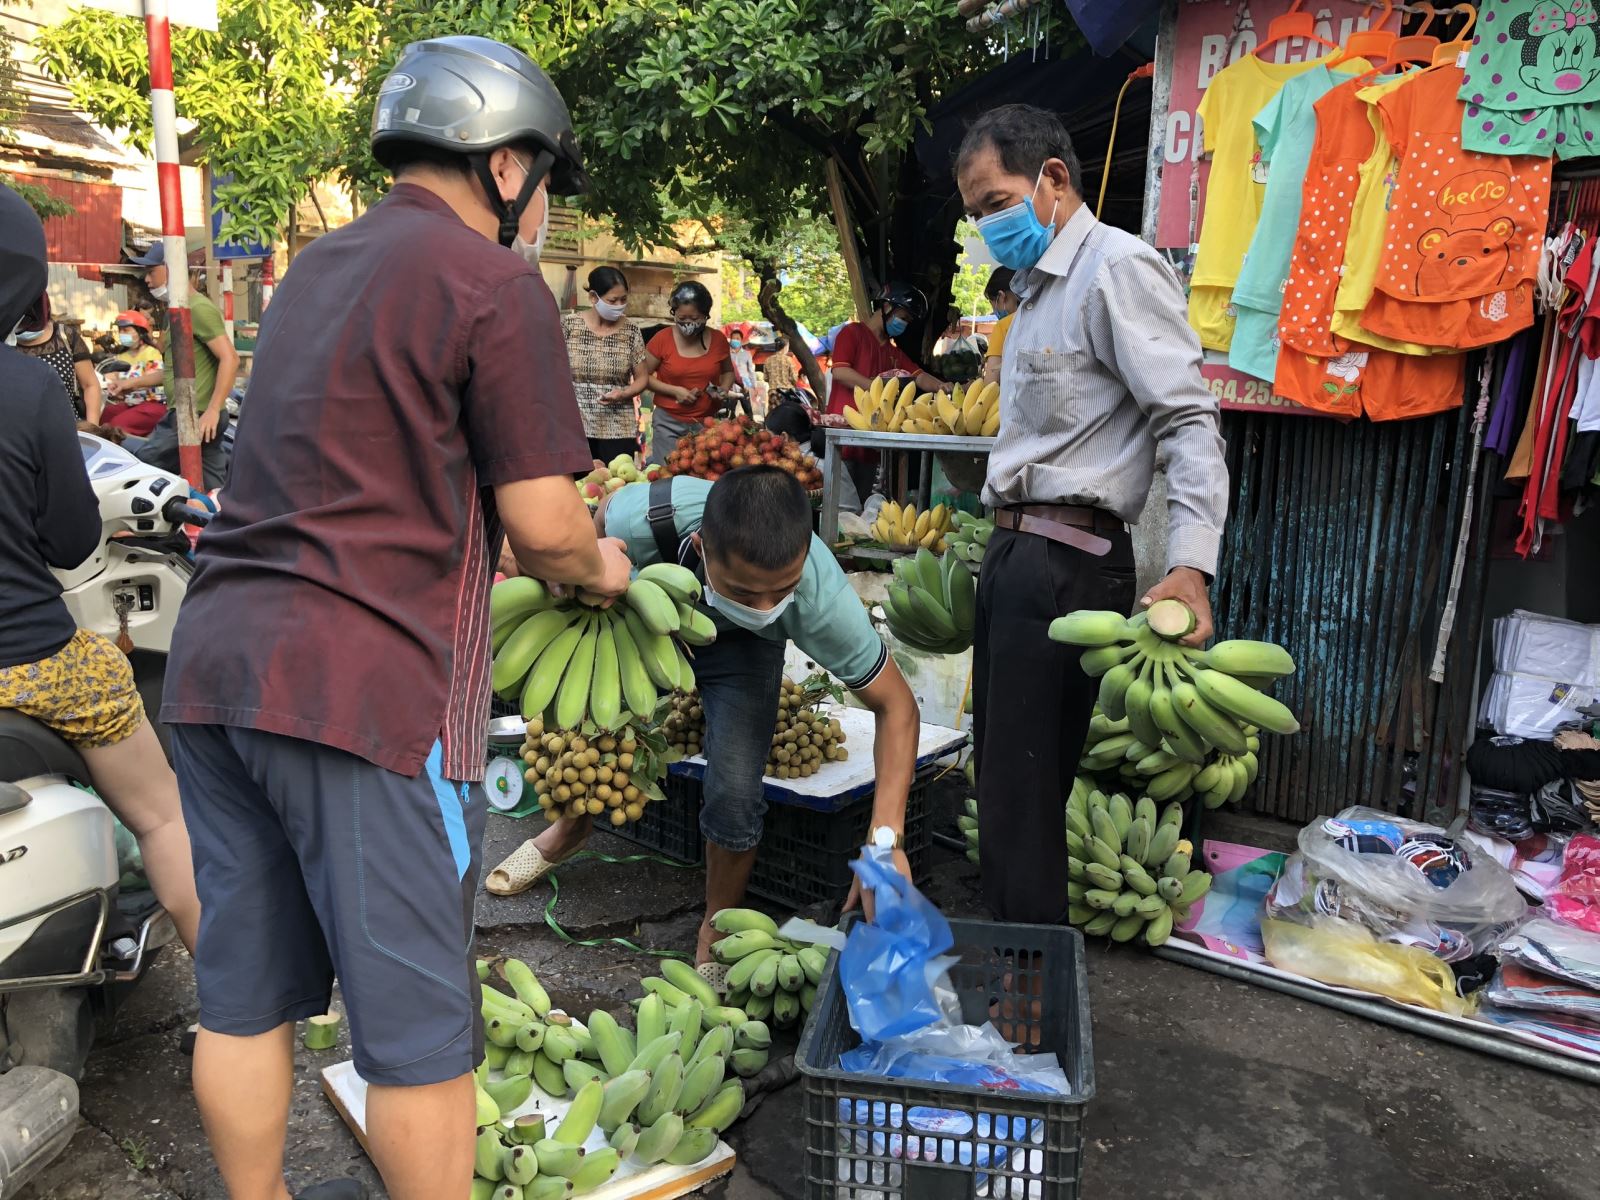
<point x="180" y="327"/>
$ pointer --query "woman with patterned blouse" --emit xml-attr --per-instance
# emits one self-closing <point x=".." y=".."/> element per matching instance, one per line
<point x="608" y="367"/>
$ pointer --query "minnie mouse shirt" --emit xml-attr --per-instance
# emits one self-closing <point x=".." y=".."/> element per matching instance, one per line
<point x="1532" y="78"/>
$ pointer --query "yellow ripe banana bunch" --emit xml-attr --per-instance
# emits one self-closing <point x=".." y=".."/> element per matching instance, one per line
<point x="875" y="407"/>
<point x="980" y="409"/>
<point x="902" y="525"/>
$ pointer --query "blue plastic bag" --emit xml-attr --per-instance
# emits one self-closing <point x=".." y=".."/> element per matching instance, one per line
<point x="888" y="965"/>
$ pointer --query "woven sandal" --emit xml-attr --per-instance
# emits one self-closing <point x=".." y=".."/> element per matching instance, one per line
<point x="519" y="872"/>
<point x="716" y="974"/>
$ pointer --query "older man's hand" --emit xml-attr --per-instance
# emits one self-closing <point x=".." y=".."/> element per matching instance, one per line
<point x="1188" y="585"/>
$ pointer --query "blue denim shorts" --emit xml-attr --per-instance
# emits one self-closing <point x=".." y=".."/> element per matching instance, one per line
<point x="740" y="676"/>
<point x="313" y="863"/>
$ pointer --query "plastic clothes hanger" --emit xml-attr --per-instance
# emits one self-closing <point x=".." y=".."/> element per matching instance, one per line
<point x="1448" y="52"/>
<point x="1371" y="43"/>
<point x="1417" y="48"/>
<point x="1294" y="24"/>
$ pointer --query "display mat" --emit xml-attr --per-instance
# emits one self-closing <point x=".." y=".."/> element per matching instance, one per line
<point x="348" y="1093"/>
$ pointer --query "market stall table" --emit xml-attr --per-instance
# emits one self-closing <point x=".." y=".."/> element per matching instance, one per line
<point x="926" y="444"/>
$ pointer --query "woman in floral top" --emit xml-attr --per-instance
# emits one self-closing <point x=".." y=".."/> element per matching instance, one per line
<point x="608" y="370"/>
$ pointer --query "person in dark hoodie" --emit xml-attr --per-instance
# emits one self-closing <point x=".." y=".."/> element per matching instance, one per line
<point x="76" y="682"/>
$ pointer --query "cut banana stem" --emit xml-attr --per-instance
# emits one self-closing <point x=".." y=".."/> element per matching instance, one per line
<point x="322" y="1033"/>
<point x="1172" y="619"/>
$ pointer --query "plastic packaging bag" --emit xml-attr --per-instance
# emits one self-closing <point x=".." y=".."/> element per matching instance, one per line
<point x="1576" y="897"/>
<point x="1346" y="954"/>
<point x="1410" y="884"/>
<point x="1556" y="949"/>
<point x="895" y="971"/>
<point x="969" y="1055"/>
<point x="890" y="965"/>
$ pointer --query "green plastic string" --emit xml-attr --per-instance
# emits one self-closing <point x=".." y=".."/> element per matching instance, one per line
<point x="624" y="943"/>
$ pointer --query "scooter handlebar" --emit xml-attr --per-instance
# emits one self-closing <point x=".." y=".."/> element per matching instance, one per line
<point x="176" y="511"/>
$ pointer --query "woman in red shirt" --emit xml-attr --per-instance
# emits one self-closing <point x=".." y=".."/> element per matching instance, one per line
<point x="865" y="350"/>
<point x="684" y="361"/>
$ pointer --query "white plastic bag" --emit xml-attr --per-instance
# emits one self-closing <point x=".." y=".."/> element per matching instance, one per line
<point x="1411" y="884"/>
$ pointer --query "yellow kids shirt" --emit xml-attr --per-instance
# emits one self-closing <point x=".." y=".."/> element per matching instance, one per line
<point x="1235" y="189"/>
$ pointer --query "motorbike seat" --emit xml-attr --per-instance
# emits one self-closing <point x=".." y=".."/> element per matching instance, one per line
<point x="29" y="748"/>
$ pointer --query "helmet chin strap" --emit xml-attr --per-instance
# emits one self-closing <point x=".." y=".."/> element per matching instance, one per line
<point x="510" y="211"/>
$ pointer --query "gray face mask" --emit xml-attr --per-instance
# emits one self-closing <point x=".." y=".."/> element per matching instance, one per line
<point x="159" y="291"/>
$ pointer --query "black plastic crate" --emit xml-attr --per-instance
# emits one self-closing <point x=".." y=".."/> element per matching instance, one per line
<point x="805" y="854"/>
<point x="874" y="1138"/>
<point x="670" y="826"/>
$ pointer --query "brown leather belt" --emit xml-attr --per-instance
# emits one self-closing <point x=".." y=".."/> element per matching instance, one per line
<point x="1071" y="525"/>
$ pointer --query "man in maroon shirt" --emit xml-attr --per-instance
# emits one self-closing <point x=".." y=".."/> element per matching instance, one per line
<point x="865" y="350"/>
<point x="329" y="681"/>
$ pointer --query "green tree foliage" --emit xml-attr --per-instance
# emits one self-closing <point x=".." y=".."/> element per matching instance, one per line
<point x="282" y="92"/>
<point x="732" y="107"/>
<point x="806" y="259"/>
<point x="966" y="289"/>
<point x="747" y="104"/>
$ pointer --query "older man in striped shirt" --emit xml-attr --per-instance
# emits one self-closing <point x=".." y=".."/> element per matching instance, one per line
<point x="1100" y="371"/>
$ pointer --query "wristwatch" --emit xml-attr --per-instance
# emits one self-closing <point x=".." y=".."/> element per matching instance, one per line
<point x="886" y="837"/>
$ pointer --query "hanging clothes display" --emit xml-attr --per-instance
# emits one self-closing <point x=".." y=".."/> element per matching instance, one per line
<point x="1369" y="231"/>
<point x="1465" y="229"/>
<point x="1317" y="368"/>
<point x="1236" y="186"/>
<point x="1553" y="467"/>
<point x="1533" y="78"/>
<point x="1285" y="130"/>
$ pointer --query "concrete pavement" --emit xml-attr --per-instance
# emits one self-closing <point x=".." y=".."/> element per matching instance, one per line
<point x="1207" y="1088"/>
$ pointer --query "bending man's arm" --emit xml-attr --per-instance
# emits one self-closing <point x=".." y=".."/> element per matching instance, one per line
<point x="897" y="722"/>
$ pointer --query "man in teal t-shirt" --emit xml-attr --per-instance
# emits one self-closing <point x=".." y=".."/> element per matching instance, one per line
<point x="768" y="580"/>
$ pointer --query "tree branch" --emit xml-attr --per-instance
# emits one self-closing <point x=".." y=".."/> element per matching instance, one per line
<point x="772" y="309"/>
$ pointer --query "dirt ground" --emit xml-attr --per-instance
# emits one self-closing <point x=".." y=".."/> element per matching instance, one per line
<point x="1206" y="1087"/>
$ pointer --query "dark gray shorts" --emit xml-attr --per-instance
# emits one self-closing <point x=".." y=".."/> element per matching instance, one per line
<point x="313" y="863"/>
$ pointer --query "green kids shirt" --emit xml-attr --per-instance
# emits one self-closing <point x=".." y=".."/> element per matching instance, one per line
<point x="1532" y="79"/>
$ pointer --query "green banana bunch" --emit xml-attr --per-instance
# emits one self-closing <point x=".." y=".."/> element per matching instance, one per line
<point x="768" y="975"/>
<point x="968" y="821"/>
<point x="968" y="540"/>
<point x="932" y="603"/>
<point x="1150" y="887"/>
<point x="596" y="665"/>
<point x="1182" y="700"/>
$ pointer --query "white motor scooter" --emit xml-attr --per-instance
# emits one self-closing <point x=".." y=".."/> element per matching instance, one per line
<point x="70" y="947"/>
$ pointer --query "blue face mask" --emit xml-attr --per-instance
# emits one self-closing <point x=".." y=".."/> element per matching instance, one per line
<point x="895" y="326"/>
<point x="1015" y="236"/>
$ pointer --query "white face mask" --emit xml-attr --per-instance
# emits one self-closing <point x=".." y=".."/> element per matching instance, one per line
<point x="742" y="615"/>
<point x="608" y="311"/>
<point x="159" y="291"/>
<point x="531" y="251"/>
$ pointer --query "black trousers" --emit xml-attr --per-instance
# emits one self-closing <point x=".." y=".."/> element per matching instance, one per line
<point x="1032" y="704"/>
<point x="606" y="449"/>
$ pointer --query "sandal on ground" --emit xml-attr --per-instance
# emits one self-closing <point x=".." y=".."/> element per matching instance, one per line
<point x="524" y="868"/>
<point x="716" y="974"/>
